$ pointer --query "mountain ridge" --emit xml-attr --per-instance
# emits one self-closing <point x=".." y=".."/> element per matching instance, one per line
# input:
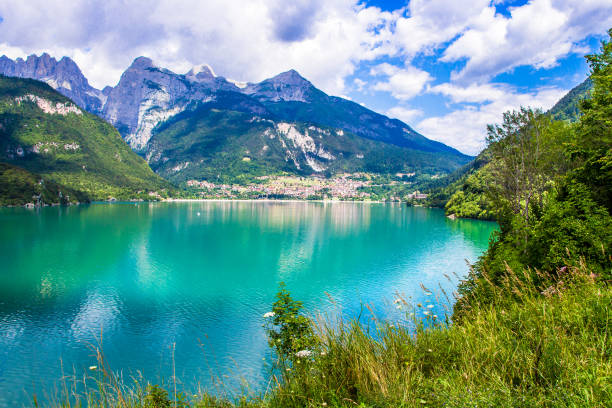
<point x="147" y="95"/>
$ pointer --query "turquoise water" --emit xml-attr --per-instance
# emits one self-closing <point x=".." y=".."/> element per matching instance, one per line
<point x="198" y="277"/>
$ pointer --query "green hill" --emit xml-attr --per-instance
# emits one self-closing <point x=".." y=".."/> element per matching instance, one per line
<point x="568" y="107"/>
<point x="44" y="133"/>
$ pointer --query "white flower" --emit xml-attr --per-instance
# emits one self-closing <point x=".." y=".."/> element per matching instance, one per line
<point x="430" y="306"/>
<point x="398" y="300"/>
<point x="303" y="353"/>
<point x="269" y="314"/>
<point x="92" y="368"/>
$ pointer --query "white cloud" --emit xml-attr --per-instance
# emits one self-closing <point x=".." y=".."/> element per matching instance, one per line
<point x="473" y="93"/>
<point x="465" y="128"/>
<point x="430" y="23"/>
<point x="406" y="115"/>
<point x="247" y="41"/>
<point x="359" y="84"/>
<point x="537" y="34"/>
<point x="402" y="83"/>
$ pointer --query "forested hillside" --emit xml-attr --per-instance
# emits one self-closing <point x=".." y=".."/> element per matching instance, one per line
<point x="45" y="134"/>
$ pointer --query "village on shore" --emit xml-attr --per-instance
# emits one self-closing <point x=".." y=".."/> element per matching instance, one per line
<point x="344" y="187"/>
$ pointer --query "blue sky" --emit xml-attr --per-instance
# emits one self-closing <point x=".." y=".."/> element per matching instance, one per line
<point x="445" y="67"/>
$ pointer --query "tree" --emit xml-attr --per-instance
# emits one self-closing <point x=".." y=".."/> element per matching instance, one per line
<point x="527" y="154"/>
<point x="595" y="136"/>
<point x="289" y="333"/>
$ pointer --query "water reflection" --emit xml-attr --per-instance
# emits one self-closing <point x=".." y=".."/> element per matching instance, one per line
<point x="200" y="275"/>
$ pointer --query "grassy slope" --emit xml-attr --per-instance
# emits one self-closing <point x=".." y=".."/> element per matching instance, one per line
<point x="102" y="166"/>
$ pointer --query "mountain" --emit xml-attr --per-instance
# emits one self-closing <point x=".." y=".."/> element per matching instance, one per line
<point x="568" y="107"/>
<point x="63" y="75"/>
<point x="205" y="122"/>
<point x="45" y="134"/>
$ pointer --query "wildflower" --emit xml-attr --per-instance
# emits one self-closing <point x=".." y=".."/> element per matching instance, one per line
<point x="269" y="314"/>
<point x="419" y="305"/>
<point x="323" y="353"/>
<point x="430" y="306"/>
<point x="303" y="353"/>
<point x="398" y="306"/>
<point x="92" y="368"/>
<point x="426" y="313"/>
<point x="398" y="300"/>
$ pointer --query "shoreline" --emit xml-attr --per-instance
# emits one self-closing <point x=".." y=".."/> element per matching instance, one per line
<point x="186" y="200"/>
<point x="268" y="200"/>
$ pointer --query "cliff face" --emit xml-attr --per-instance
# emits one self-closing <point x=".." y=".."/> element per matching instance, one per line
<point x="63" y="75"/>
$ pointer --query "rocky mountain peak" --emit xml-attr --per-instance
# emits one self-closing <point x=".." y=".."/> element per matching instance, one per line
<point x="63" y="75"/>
<point x="200" y="72"/>
<point x="286" y="86"/>
<point x="141" y="63"/>
<point x="291" y="77"/>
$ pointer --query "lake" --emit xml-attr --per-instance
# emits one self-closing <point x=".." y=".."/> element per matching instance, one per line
<point x="197" y="277"/>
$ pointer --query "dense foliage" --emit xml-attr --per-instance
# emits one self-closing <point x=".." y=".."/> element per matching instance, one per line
<point x="556" y="210"/>
<point x="289" y="332"/>
<point x="465" y="194"/>
<point x="471" y="199"/>
<point x="18" y="186"/>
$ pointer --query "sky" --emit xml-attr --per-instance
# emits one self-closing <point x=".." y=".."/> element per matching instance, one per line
<point x="445" y="67"/>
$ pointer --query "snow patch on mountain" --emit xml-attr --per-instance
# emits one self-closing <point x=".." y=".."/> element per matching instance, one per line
<point x="239" y="84"/>
<point x="203" y="68"/>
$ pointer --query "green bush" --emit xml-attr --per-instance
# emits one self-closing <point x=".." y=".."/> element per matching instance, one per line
<point x="289" y="333"/>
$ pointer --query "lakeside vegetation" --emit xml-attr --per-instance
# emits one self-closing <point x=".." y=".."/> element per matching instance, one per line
<point x="531" y="327"/>
<point x="466" y="192"/>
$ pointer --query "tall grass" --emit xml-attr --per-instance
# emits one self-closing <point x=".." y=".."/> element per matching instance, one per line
<point x="544" y="345"/>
